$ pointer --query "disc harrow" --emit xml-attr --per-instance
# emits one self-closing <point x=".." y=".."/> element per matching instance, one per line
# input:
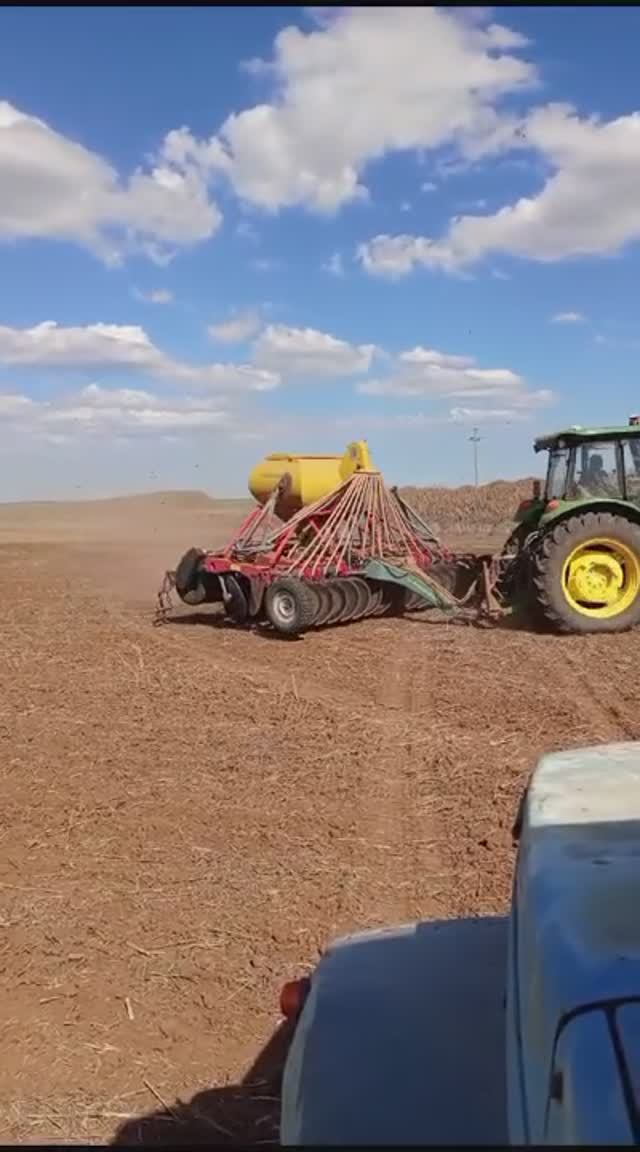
<point x="357" y="551"/>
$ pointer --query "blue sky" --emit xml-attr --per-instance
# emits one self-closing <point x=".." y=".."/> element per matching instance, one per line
<point x="225" y="232"/>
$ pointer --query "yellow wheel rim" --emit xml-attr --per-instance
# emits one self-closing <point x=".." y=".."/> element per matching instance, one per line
<point x="601" y="578"/>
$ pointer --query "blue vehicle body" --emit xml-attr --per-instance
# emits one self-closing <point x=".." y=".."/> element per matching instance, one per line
<point x="486" y="1031"/>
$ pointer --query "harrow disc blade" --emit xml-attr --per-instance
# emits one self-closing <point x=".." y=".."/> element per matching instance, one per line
<point x="351" y="600"/>
<point x="364" y="594"/>
<point x="325" y="603"/>
<point x="379" y="604"/>
<point x="338" y="601"/>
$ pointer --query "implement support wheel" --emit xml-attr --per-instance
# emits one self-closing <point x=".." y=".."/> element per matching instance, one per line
<point x="586" y="574"/>
<point x="290" y="605"/>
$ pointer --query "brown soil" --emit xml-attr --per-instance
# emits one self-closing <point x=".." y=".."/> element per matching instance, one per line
<point x="190" y="812"/>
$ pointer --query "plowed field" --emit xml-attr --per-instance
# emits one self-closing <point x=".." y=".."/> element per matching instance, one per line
<point x="190" y="812"/>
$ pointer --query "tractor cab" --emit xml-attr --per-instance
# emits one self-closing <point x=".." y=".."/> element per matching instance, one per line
<point x="593" y="464"/>
<point x="578" y="539"/>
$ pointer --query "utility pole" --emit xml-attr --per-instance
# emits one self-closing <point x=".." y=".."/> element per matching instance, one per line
<point x="475" y="439"/>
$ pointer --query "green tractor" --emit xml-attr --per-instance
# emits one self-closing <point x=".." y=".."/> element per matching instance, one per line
<point x="574" y="556"/>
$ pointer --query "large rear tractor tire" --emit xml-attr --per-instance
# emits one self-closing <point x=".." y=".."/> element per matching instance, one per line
<point x="586" y="574"/>
<point x="290" y="605"/>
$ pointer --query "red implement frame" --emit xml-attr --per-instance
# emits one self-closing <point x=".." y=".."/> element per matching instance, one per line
<point x="360" y="520"/>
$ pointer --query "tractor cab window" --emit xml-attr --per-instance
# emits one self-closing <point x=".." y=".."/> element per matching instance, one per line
<point x="631" y="452"/>
<point x="597" y="473"/>
<point x="558" y="473"/>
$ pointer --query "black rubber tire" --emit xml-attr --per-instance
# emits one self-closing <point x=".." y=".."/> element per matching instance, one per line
<point x="187" y="575"/>
<point x="339" y="601"/>
<point x="301" y="605"/>
<point x="364" y="596"/>
<point x="237" y="607"/>
<point x="549" y="558"/>
<point x="325" y="601"/>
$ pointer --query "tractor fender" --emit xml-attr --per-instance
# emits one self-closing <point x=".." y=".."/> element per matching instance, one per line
<point x="401" y="1040"/>
<point x="573" y="979"/>
<point x="580" y="507"/>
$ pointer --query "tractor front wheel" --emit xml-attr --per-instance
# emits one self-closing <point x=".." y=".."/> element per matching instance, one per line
<point x="586" y="574"/>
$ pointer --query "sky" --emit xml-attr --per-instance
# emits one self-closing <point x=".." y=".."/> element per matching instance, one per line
<point x="226" y="232"/>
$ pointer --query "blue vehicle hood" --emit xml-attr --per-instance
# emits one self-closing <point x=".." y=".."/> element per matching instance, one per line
<point x="575" y="941"/>
<point x="401" y="1041"/>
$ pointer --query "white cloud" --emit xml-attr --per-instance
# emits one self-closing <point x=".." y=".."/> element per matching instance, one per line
<point x="13" y="404"/>
<point x="334" y="265"/>
<point x="426" y="372"/>
<point x="237" y="328"/>
<point x="432" y="77"/>
<point x="155" y="296"/>
<point x="309" y="353"/>
<point x="395" y="256"/>
<point x="588" y="206"/>
<point x="486" y="415"/>
<point x="428" y="186"/>
<point x="567" y="318"/>
<point x="125" y="346"/>
<point x="52" y="186"/>
<point x="113" y="410"/>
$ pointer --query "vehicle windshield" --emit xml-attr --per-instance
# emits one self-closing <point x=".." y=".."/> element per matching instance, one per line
<point x="597" y="469"/>
<point x="557" y="473"/>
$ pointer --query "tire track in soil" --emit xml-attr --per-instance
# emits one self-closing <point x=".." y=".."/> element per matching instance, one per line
<point x="603" y="698"/>
<point x="393" y="812"/>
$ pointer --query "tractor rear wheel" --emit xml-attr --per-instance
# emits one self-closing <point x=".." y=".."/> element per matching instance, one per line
<point x="290" y="605"/>
<point x="586" y="574"/>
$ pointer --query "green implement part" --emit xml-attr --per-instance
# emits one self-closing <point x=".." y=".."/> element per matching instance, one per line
<point x="433" y="593"/>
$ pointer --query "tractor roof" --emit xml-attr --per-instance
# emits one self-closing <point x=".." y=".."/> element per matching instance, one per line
<point x="578" y="435"/>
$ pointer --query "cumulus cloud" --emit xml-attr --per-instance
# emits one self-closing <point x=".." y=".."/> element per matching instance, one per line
<point x="587" y="206"/>
<point x="240" y="326"/>
<point x="334" y="265"/>
<point x="123" y="346"/>
<point x="433" y="77"/>
<point x="53" y="186"/>
<point x="567" y="318"/>
<point x="426" y="372"/>
<point x="114" y="410"/>
<point x="155" y="296"/>
<point x="309" y="353"/>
